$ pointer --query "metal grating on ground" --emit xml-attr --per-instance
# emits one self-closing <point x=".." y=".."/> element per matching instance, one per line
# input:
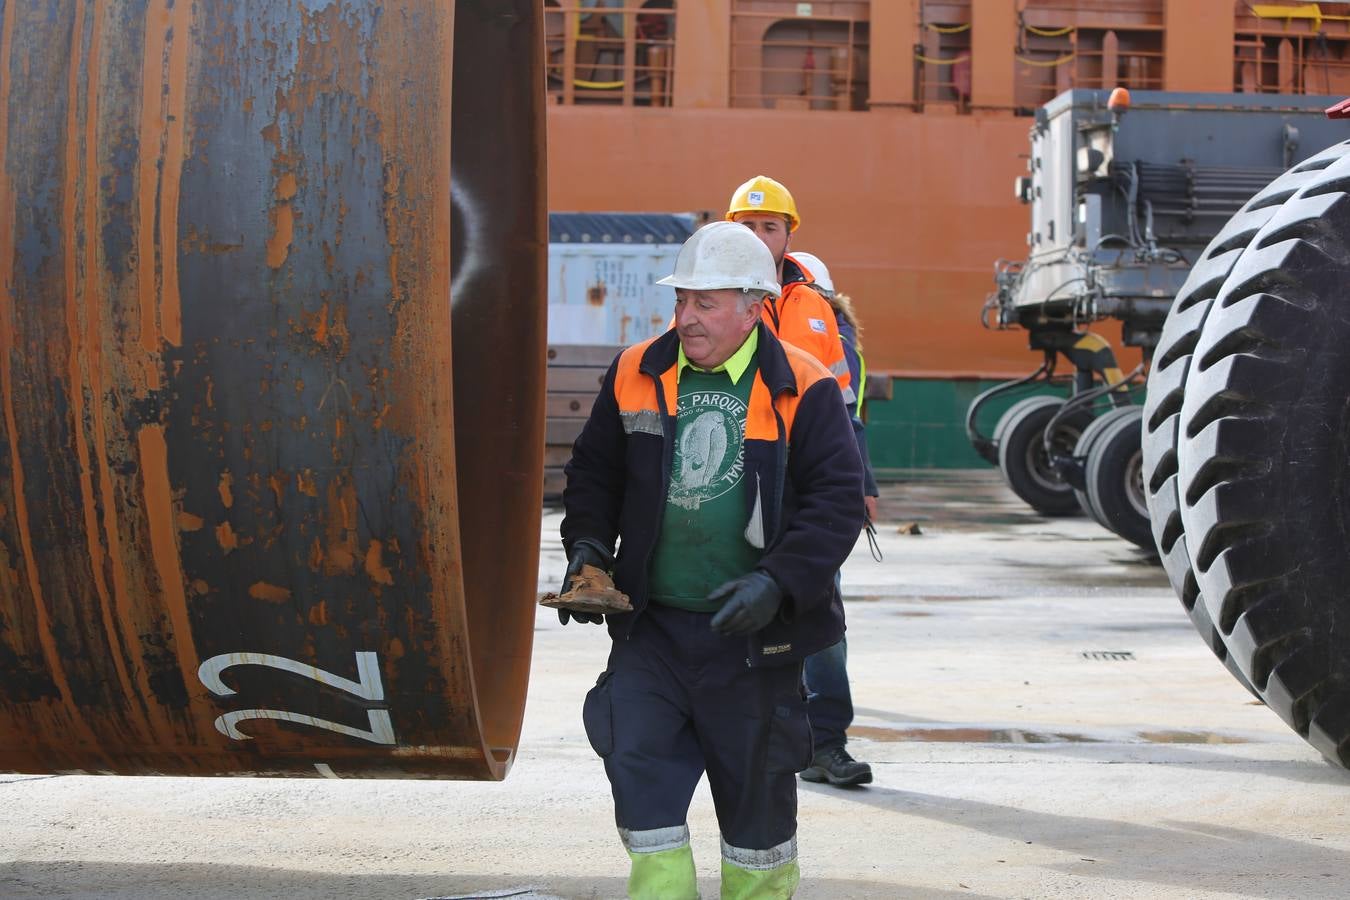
<point x="1108" y="655"/>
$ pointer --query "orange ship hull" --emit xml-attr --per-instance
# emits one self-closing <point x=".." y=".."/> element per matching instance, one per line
<point x="900" y="126"/>
<point x="909" y="210"/>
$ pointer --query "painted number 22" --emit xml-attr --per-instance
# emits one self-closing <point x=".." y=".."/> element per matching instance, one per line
<point x="367" y="687"/>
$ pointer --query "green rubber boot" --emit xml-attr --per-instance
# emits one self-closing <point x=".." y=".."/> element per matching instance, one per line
<point x="664" y="872"/>
<point x="760" y="874"/>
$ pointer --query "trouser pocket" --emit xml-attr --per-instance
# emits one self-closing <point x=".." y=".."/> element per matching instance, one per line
<point x="789" y="738"/>
<point x="597" y="715"/>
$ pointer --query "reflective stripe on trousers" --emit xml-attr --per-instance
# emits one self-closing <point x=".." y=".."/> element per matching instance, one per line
<point x="771" y="874"/>
<point x="663" y="868"/>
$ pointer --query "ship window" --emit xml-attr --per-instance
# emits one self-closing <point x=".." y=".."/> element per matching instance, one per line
<point x="942" y="55"/>
<point x="813" y="60"/>
<point x="1059" y="48"/>
<point x="1291" y="50"/>
<point x="610" y="51"/>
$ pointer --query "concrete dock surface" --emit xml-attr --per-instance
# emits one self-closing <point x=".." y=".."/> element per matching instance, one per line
<point x="1041" y="718"/>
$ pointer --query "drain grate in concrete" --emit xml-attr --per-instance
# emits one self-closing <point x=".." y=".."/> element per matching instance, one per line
<point x="1110" y="655"/>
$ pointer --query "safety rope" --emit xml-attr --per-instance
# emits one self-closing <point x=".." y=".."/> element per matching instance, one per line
<point x="940" y="62"/>
<point x="945" y="29"/>
<point x="1047" y="63"/>
<point x="1050" y="32"/>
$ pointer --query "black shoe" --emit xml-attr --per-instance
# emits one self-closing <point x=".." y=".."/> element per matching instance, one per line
<point x="835" y="766"/>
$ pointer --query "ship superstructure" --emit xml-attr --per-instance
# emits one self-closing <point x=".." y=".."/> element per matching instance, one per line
<point x="901" y="127"/>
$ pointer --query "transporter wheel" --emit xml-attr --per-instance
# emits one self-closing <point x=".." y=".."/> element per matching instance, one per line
<point x="1022" y="458"/>
<point x="1264" y="462"/>
<point x="1084" y="449"/>
<point x="1115" y="478"/>
<point x="1167" y="382"/>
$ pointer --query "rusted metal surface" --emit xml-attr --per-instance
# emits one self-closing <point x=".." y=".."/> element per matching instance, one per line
<point x="500" y="320"/>
<point x="256" y="517"/>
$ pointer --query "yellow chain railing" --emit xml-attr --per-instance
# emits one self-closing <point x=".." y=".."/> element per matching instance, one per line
<point x="1047" y="63"/>
<point x="1050" y="32"/>
<point x="1310" y="11"/>
<point x="941" y="62"/>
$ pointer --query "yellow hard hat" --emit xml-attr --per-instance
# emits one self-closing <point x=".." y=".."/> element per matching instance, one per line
<point x="762" y="194"/>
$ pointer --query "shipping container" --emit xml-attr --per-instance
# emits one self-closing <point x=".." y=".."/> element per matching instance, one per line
<point x="602" y="274"/>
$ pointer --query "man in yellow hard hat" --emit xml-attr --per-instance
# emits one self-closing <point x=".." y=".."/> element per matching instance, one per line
<point x="799" y="315"/>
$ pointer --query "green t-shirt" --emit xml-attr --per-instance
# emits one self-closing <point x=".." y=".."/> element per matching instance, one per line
<point x="702" y="542"/>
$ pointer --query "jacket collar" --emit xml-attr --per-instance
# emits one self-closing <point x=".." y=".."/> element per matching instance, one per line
<point x="734" y="367"/>
<point x="663" y="353"/>
<point x="793" y="272"/>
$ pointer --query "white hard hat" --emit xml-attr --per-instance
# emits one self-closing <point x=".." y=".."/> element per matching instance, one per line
<point x="722" y="256"/>
<point x="813" y="267"/>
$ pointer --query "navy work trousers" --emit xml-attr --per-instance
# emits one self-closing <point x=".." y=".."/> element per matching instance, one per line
<point x="828" y="699"/>
<point x="678" y="699"/>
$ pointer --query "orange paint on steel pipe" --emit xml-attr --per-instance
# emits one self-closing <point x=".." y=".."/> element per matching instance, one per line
<point x="272" y="368"/>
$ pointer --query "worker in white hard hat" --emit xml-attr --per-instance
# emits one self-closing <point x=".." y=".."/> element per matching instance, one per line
<point x="850" y="339"/>
<point x="829" y="698"/>
<point x="722" y="461"/>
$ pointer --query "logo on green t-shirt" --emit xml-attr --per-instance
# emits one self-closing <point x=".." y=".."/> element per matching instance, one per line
<point x="710" y="450"/>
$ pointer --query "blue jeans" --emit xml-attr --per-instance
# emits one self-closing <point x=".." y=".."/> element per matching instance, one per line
<point x="829" y="703"/>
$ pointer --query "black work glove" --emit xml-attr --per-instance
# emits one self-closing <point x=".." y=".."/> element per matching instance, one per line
<point x="584" y="553"/>
<point x="750" y="603"/>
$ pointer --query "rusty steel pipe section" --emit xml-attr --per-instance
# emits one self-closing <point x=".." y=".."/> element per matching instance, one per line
<point x="271" y="385"/>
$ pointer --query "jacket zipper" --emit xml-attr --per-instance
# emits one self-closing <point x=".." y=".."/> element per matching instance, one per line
<point x="780" y="464"/>
<point x="667" y="461"/>
<point x="774" y="313"/>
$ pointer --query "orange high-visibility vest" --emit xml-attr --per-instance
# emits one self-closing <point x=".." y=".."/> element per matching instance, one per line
<point x="805" y="319"/>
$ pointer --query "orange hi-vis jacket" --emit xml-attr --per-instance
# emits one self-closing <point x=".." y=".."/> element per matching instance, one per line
<point x="802" y="485"/>
<point x="805" y="319"/>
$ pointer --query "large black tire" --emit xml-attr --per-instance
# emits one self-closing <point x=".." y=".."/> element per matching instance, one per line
<point x="1115" y="479"/>
<point x="1022" y="458"/>
<point x="1167" y="382"/>
<point x="1264" y="461"/>
<point x="1084" y="449"/>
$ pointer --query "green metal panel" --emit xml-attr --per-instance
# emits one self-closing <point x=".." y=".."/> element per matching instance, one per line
<point x="923" y="425"/>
